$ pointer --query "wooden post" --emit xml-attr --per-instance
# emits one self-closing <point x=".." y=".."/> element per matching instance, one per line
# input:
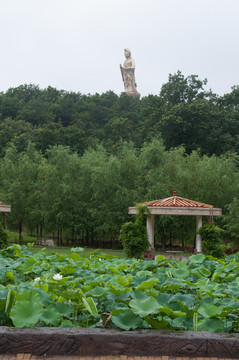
<point x="4" y="221"/>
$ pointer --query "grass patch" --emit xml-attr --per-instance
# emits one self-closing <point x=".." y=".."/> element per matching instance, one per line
<point x="13" y="238"/>
<point x="67" y="250"/>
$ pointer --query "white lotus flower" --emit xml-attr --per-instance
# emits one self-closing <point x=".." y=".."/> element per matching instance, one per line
<point x="57" y="277"/>
<point x="37" y="279"/>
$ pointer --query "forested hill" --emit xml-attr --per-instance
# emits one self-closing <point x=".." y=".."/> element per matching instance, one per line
<point x="183" y="113"/>
<point x="72" y="164"/>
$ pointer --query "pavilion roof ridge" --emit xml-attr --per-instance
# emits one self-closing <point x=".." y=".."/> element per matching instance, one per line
<point x="176" y="201"/>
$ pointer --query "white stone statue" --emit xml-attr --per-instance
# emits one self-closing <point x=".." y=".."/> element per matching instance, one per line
<point x="128" y="77"/>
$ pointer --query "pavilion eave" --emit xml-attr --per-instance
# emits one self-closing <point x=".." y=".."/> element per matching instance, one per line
<point x="188" y="211"/>
<point x="5" y="208"/>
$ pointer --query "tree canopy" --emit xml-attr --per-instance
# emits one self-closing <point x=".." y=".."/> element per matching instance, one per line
<point x="72" y="164"/>
<point x="184" y="113"/>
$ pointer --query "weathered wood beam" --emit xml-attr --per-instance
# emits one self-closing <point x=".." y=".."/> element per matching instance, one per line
<point x="180" y="211"/>
<point x="113" y="342"/>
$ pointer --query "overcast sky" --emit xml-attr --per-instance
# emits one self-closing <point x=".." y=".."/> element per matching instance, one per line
<point x="77" y="45"/>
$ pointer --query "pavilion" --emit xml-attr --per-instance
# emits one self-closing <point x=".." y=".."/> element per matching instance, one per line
<point x="176" y="205"/>
<point x="4" y="209"/>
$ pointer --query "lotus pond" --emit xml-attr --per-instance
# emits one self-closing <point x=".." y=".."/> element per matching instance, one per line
<point x="199" y="293"/>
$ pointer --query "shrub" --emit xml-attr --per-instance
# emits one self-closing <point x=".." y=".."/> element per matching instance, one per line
<point x="212" y="243"/>
<point x="3" y="237"/>
<point x="231" y="220"/>
<point x="133" y="234"/>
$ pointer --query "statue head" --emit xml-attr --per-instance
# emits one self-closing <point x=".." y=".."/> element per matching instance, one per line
<point x="127" y="52"/>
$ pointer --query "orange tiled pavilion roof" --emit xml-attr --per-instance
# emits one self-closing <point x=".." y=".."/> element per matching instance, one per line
<point x="176" y="201"/>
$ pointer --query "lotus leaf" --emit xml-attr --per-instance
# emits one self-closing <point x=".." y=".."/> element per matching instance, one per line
<point x="51" y="316"/>
<point x="64" y="309"/>
<point x="118" y="290"/>
<point x="159" y="323"/>
<point x="187" y="299"/>
<point x="26" y="313"/>
<point x="127" y="320"/>
<point x="66" y="323"/>
<point x="90" y="305"/>
<point x="3" y="292"/>
<point x="11" y="296"/>
<point x="148" y="284"/>
<point x="209" y="310"/>
<point x="68" y="269"/>
<point x="201" y="294"/>
<point x="160" y="259"/>
<point x="199" y="258"/>
<point x="164" y="298"/>
<point x="180" y="273"/>
<point x="98" y="292"/>
<point x="145" y="307"/>
<point x="123" y="281"/>
<point x="205" y="272"/>
<point x="212" y="325"/>
<point x="231" y="266"/>
<point x="125" y="296"/>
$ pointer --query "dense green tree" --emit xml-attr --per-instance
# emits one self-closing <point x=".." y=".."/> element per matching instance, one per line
<point x="3" y="237"/>
<point x="231" y="221"/>
<point x="152" y="109"/>
<point x="184" y="113"/>
<point x="104" y="152"/>
<point x="19" y="175"/>
<point x="230" y="100"/>
<point x="14" y="132"/>
<point x="36" y="112"/>
<point x="47" y="136"/>
<point x="59" y="190"/>
<point x="181" y="89"/>
<point x="68" y="108"/>
<point x="15" y="98"/>
<point x="196" y="125"/>
<point x="109" y="183"/>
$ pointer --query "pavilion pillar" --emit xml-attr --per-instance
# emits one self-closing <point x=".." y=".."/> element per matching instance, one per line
<point x="198" y="237"/>
<point x="150" y="230"/>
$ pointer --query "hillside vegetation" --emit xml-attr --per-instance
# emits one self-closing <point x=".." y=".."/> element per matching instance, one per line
<point x="72" y="164"/>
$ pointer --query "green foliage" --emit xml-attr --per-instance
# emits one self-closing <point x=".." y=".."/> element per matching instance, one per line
<point x="195" y="125"/>
<point x="90" y="195"/>
<point x="231" y="220"/>
<point x="3" y="237"/>
<point x="179" y="89"/>
<point x="133" y="234"/>
<point x="211" y="240"/>
<point x="51" y="117"/>
<point x="199" y="293"/>
<point x="93" y="156"/>
<point x="27" y="309"/>
<point x="148" y="305"/>
<point x="90" y="305"/>
<point x="126" y="319"/>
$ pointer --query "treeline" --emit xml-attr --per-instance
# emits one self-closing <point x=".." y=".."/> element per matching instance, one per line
<point x="87" y="197"/>
<point x="183" y="113"/>
<point x="72" y="164"/>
